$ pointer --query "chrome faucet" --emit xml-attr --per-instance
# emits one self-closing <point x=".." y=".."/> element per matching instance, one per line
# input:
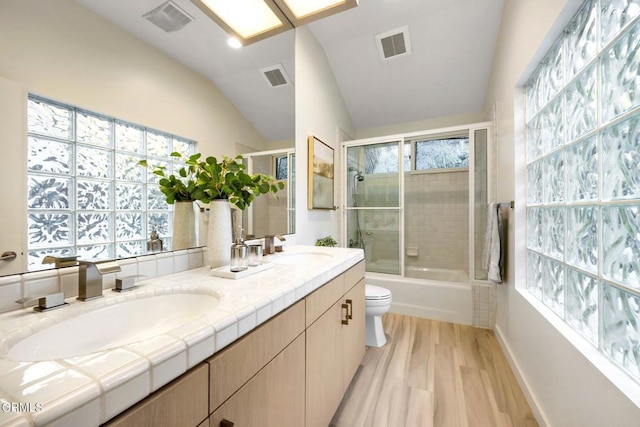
<point x="90" y="280"/>
<point x="269" y="242"/>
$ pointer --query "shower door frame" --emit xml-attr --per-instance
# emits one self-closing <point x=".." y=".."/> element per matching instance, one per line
<point x="402" y="138"/>
<point x="345" y="182"/>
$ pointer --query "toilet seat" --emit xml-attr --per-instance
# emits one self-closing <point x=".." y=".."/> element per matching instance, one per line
<point x="374" y="293"/>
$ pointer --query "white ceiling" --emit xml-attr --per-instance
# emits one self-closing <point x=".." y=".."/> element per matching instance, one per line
<point x="447" y="74"/>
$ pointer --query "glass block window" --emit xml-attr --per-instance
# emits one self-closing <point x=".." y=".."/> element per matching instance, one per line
<point x="87" y="196"/>
<point x="583" y="179"/>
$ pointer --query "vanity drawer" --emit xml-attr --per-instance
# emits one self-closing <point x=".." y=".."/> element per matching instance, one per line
<point x="275" y="397"/>
<point x="234" y="366"/>
<point x="324" y="297"/>
<point x="320" y="300"/>
<point x="353" y="275"/>
<point x="181" y="403"/>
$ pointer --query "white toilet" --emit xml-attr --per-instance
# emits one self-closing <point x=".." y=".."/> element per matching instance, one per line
<point x="378" y="302"/>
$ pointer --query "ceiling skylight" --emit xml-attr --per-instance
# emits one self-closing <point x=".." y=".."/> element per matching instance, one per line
<point x="253" y="20"/>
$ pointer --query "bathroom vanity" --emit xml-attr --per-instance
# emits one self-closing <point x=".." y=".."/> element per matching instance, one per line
<point x="278" y="349"/>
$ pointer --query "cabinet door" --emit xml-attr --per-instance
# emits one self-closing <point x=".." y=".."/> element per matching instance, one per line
<point x="236" y="364"/>
<point x="181" y="403"/>
<point x="273" y="398"/>
<point x="354" y="332"/>
<point x="325" y="376"/>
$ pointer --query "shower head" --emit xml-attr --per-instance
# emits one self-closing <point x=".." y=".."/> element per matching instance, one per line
<point x="358" y="174"/>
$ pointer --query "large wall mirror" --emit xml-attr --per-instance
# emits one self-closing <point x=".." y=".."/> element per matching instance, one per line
<point x="257" y="80"/>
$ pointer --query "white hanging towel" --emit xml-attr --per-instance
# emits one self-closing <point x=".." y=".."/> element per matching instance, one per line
<point x="492" y="252"/>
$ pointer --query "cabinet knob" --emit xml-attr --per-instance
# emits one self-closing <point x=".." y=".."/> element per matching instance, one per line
<point x="345" y="321"/>
<point x="350" y="309"/>
<point x="226" y="423"/>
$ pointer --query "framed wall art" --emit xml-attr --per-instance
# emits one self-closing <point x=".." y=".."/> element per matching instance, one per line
<point x="321" y="175"/>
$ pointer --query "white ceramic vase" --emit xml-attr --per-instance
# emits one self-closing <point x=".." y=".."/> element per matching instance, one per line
<point x="219" y="236"/>
<point x="184" y="226"/>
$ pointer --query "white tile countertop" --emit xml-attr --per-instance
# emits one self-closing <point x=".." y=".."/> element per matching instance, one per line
<point x="89" y="389"/>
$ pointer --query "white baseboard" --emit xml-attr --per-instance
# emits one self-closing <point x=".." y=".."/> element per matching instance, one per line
<point x="531" y="399"/>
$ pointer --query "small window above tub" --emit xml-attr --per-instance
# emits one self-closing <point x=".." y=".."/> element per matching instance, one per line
<point x="441" y="153"/>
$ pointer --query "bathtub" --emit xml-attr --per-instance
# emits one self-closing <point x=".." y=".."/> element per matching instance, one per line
<point x="437" y="294"/>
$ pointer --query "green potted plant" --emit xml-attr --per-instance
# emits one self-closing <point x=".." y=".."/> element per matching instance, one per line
<point x="211" y="179"/>
<point x="326" y="241"/>
<point x="218" y="183"/>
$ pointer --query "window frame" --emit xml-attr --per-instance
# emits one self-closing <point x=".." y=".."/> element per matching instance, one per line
<point x="628" y="384"/>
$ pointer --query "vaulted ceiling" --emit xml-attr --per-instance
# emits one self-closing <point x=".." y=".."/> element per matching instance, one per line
<point x="452" y="46"/>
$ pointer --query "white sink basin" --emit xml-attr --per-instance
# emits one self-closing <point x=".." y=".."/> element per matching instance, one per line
<point x="112" y="326"/>
<point x="301" y="258"/>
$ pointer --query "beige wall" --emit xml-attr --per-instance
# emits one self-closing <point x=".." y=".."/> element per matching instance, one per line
<point x="566" y="388"/>
<point x="320" y="111"/>
<point x="61" y="50"/>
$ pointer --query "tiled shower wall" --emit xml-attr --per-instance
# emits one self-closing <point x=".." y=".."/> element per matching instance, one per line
<point x="437" y="220"/>
<point x="484" y="304"/>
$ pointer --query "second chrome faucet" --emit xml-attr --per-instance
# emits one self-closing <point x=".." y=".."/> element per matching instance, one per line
<point x="90" y="278"/>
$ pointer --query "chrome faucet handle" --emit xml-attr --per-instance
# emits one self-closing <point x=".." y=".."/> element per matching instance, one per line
<point x="45" y="302"/>
<point x="127" y="283"/>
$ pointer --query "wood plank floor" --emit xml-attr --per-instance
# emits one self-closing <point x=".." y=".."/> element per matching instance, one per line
<point x="434" y="373"/>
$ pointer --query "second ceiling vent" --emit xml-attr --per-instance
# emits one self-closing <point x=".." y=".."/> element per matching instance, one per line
<point x="168" y="16"/>
<point x="275" y="75"/>
<point x="394" y="43"/>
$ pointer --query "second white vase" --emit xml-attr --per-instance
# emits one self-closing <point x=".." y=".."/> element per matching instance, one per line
<point x="219" y="236"/>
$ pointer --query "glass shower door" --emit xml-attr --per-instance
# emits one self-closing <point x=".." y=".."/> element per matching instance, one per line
<point x="373" y="204"/>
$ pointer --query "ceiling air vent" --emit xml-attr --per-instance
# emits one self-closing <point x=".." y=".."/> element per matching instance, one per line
<point x="394" y="43"/>
<point x="168" y="16"/>
<point x="275" y="75"/>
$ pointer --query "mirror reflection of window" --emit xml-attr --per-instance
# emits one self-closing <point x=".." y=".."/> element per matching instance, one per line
<point x="281" y="167"/>
<point x="268" y="214"/>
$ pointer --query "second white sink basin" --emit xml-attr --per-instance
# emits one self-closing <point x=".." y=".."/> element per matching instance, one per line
<point x="112" y="326"/>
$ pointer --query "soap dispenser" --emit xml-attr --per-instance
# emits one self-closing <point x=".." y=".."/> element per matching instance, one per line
<point x="239" y="254"/>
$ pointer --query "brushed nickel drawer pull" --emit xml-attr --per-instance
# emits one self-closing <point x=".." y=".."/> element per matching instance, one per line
<point x="350" y="310"/>
<point x="345" y="321"/>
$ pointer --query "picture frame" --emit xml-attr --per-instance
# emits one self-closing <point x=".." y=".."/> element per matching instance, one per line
<point x="321" y="167"/>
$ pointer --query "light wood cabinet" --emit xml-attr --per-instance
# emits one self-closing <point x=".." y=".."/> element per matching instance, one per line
<point x="272" y="398"/>
<point x="325" y="382"/>
<point x="354" y="333"/>
<point x="291" y="371"/>
<point x="335" y="344"/>
<point x="234" y="366"/>
<point x="180" y="403"/>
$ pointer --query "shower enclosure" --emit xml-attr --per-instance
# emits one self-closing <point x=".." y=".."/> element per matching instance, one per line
<point x="416" y="202"/>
